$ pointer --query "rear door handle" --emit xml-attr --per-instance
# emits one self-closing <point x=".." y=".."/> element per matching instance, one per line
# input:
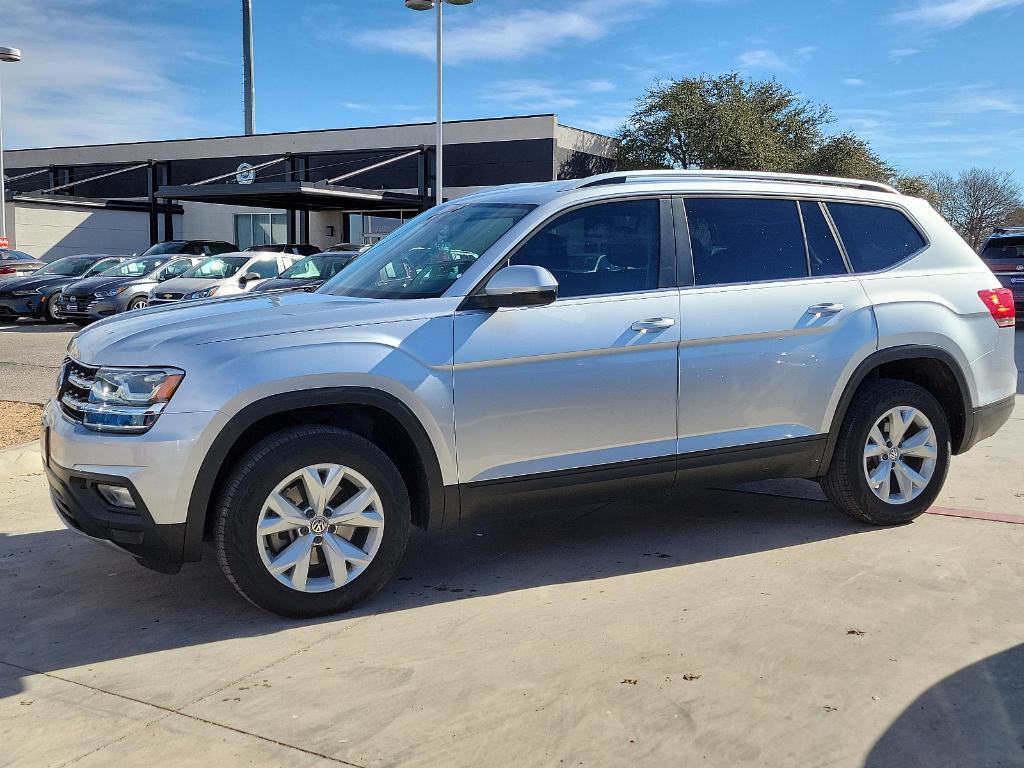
<point x="825" y="309"/>
<point x="653" y="324"/>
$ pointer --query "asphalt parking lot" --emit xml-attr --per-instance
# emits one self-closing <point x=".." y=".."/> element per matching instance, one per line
<point x="742" y="626"/>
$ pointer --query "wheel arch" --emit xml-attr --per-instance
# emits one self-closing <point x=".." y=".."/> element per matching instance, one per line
<point x="372" y="413"/>
<point x="933" y="368"/>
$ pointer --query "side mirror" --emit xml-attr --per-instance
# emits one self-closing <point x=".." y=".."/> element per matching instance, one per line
<point x="249" y="276"/>
<point x="521" y="285"/>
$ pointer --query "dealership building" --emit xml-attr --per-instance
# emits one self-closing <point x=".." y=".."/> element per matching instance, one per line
<point x="321" y="187"/>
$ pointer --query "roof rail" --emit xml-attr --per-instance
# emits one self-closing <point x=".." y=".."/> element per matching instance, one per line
<point x="1006" y="230"/>
<point x="624" y="177"/>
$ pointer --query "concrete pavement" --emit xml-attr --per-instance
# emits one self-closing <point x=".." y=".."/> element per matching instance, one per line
<point x="31" y="354"/>
<point x="721" y="627"/>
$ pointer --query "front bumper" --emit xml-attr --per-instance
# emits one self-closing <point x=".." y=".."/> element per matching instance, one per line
<point x="22" y="306"/>
<point x="82" y="509"/>
<point x="93" y="309"/>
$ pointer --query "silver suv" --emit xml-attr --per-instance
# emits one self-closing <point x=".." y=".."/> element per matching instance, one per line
<point x="549" y="343"/>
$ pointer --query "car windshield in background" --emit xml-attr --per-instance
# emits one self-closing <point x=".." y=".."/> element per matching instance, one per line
<point x="455" y="235"/>
<point x="135" y="268"/>
<point x="318" y="267"/>
<point x="100" y="267"/>
<point x="175" y="268"/>
<point x="218" y="267"/>
<point x="1004" y="248"/>
<point x="159" y="248"/>
<point x="69" y="266"/>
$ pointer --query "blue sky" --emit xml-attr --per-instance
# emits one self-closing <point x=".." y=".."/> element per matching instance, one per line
<point x="930" y="83"/>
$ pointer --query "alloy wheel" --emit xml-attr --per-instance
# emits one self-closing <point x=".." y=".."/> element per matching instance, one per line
<point x="900" y="455"/>
<point x="320" y="528"/>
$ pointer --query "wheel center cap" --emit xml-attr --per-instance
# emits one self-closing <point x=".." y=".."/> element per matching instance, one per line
<point x="318" y="525"/>
<point x="893" y="454"/>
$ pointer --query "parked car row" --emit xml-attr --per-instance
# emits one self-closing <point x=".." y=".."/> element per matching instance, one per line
<point x="89" y="287"/>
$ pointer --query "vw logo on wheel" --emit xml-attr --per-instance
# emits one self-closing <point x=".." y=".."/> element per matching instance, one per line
<point x="318" y="525"/>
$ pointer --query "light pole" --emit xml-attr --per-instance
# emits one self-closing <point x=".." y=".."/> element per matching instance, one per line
<point x="6" y="55"/>
<point x="427" y="5"/>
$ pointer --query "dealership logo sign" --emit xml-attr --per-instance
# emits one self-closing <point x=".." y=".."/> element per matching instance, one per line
<point x="246" y="174"/>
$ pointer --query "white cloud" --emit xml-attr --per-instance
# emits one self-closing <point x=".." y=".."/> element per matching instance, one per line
<point x="897" y="54"/>
<point x="762" y="58"/>
<point x="951" y="13"/>
<point x="853" y="81"/>
<point x="530" y="95"/>
<point x="599" y="86"/>
<point x="89" y="77"/>
<point x="476" y="35"/>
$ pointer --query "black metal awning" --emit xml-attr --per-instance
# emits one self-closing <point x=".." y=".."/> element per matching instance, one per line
<point x="296" y="195"/>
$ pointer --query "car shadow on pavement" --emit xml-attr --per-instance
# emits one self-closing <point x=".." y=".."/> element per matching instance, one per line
<point x="68" y="602"/>
<point x="973" y="717"/>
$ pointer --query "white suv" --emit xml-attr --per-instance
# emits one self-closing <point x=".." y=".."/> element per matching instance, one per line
<point x="538" y="344"/>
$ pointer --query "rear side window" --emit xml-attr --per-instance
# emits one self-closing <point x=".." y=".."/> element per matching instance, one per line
<point x="875" y="237"/>
<point x="822" y="252"/>
<point x="738" y="240"/>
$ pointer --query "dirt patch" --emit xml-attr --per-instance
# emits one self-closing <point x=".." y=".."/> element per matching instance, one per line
<point x="19" y="422"/>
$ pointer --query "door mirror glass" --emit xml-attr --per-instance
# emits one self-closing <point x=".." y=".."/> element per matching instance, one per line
<point x="521" y="285"/>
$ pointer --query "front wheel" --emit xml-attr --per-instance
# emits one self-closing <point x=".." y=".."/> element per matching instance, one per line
<point x="139" y="302"/>
<point x="892" y="454"/>
<point x="50" y="312"/>
<point x="312" y="520"/>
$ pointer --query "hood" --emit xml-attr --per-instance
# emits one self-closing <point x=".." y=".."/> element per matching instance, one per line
<point x="31" y="282"/>
<point x="160" y="335"/>
<point x="289" y="283"/>
<point x="99" y="283"/>
<point x="186" y="284"/>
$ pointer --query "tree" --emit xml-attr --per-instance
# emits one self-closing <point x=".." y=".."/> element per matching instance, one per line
<point x="976" y="201"/>
<point x="721" y="122"/>
<point x="847" y="156"/>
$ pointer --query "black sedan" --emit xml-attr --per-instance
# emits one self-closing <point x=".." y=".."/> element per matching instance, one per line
<point x="309" y="273"/>
<point x="33" y="295"/>
<point x="14" y="262"/>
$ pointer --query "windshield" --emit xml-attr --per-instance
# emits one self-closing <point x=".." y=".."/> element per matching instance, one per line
<point x="135" y="268"/>
<point x="405" y="264"/>
<point x="159" y="248"/>
<point x="318" y="267"/>
<point x="218" y="267"/>
<point x="100" y="267"/>
<point x="171" y="269"/>
<point x="69" y="266"/>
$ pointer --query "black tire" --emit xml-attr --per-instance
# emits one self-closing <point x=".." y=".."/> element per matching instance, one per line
<point x="251" y="481"/>
<point x="139" y="302"/>
<point x="845" y="483"/>
<point x="50" y="313"/>
<point x="79" y="323"/>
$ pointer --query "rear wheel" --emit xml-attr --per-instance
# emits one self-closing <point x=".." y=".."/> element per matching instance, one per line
<point x="312" y="521"/>
<point x="892" y="454"/>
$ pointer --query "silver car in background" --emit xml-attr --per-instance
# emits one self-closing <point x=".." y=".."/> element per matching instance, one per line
<point x="121" y="288"/>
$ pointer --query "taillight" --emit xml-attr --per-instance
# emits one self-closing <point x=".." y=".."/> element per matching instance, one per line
<point x="1000" y="303"/>
<point x="6" y="270"/>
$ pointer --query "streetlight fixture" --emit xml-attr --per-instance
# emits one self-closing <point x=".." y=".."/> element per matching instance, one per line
<point x="428" y="5"/>
<point x="6" y="55"/>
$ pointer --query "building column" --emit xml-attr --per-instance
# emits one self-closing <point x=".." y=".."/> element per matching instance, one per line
<point x="154" y="221"/>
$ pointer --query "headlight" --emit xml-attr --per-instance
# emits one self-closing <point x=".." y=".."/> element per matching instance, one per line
<point x="203" y="294"/>
<point x="129" y="399"/>
<point x="29" y="292"/>
<point x="111" y="292"/>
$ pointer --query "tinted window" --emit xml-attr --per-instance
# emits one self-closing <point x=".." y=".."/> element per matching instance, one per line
<point x="452" y="232"/>
<point x="263" y="267"/>
<point x="171" y="246"/>
<point x="216" y="248"/>
<point x="822" y="251"/>
<point x="599" y="249"/>
<point x="741" y="240"/>
<point x="1004" y="248"/>
<point x="875" y="237"/>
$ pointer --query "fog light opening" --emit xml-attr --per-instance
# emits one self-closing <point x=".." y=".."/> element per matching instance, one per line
<point x="117" y="495"/>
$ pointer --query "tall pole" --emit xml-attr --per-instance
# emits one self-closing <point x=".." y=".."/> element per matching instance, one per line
<point x="248" y="75"/>
<point x="439" y="152"/>
<point x="3" y="190"/>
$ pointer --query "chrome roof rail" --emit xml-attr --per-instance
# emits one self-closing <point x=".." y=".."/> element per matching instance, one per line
<point x="624" y="177"/>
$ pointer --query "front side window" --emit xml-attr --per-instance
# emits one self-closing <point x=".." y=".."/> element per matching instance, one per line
<point x="741" y="240"/>
<point x="173" y="269"/>
<point x="452" y="233"/>
<point x="218" y="267"/>
<point x="822" y="252"/>
<point x="875" y="237"/>
<point x="599" y="249"/>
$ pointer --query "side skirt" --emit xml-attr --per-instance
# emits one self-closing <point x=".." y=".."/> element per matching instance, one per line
<point x="797" y="457"/>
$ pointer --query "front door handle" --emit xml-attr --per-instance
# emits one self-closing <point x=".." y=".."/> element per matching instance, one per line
<point x="653" y="324"/>
<point x="825" y="309"/>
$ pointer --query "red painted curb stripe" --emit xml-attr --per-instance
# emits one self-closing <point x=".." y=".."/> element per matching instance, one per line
<point x="974" y="514"/>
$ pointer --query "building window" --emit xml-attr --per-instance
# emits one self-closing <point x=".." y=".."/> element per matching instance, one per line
<point x="260" y="229"/>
